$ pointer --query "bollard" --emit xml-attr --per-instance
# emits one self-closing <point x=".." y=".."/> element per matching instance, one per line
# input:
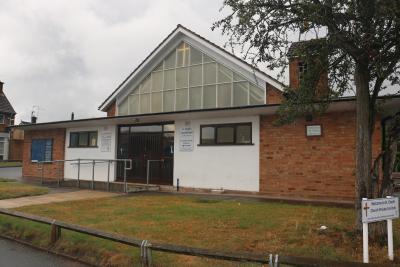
<point x="145" y="253"/>
<point x="55" y="233"/>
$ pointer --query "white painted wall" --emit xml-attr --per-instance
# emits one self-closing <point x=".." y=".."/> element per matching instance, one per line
<point x="71" y="171"/>
<point x="216" y="167"/>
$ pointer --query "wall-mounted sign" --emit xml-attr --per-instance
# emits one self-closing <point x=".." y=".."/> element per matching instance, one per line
<point x="314" y="130"/>
<point x="105" y="141"/>
<point x="186" y="139"/>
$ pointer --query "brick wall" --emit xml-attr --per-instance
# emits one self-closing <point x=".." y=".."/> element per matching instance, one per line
<point x="16" y="149"/>
<point x="292" y="165"/>
<point x="274" y="96"/>
<point x="51" y="170"/>
<point x="111" y="110"/>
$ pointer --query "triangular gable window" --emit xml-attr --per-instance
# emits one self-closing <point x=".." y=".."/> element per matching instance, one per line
<point x="188" y="79"/>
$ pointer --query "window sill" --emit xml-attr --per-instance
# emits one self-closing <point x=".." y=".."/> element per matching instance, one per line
<point x="250" y="144"/>
<point x="83" y="147"/>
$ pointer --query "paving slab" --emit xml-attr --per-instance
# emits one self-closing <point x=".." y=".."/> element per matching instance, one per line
<point x="53" y="198"/>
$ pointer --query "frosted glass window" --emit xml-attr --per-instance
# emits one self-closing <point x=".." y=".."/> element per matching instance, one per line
<point x="123" y="108"/>
<point x="207" y="59"/>
<point x="224" y="74"/>
<point x="224" y="95"/>
<point x="169" y="101"/>
<point x="210" y="73"/>
<point x="181" y="99"/>
<point x="156" y="102"/>
<point x="237" y="77"/>
<point x="195" y="56"/>
<point x="196" y="74"/>
<point x="195" y="97"/>
<point x="169" y="79"/>
<point x="256" y="95"/>
<point x="240" y="93"/>
<point x="135" y="91"/>
<point x="134" y="104"/>
<point x="209" y="96"/>
<point x="170" y="61"/>
<point x="145" y="86"/>
<point x="145" y="103"/>
<point x="157" y="81"/>
<point x="182" y="55"/>
<point x="182" y="77"/>
<point x="159" y="66"/>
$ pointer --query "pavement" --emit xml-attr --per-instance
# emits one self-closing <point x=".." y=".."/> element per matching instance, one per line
<point x="17" y="255"/>
<point x="54" y="198"/>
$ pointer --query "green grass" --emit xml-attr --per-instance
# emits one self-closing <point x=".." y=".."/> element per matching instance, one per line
<point x="10" y="164"/>
<point x="12" y="189"/>
<point x="224" y="225"/>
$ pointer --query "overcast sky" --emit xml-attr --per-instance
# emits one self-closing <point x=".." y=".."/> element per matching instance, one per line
<point x="69" y="55"/>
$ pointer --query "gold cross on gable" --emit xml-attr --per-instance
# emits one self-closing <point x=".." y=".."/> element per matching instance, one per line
<point x="366" y="208"/>
<point x="184" y="49"/>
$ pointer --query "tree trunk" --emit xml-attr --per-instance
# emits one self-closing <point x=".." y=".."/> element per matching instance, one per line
<point x="364" y="139"/>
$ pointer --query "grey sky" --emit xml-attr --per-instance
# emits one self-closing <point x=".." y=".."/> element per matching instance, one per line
<point x="69" y="55"/>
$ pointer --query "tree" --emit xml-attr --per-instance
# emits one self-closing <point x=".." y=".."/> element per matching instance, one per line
<point x="358" y="46"/>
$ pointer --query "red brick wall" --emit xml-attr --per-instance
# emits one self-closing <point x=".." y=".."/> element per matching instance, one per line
<point x="16" y="149"/>
<point x="294" y="81"/>
<point x="51" y="170"/>
<point x="111" y="110"/>
<point x="274" y="96"/>
<point x="293" y="165"/>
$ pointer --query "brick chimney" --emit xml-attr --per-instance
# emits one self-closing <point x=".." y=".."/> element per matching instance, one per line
<point x="298" y="67"/>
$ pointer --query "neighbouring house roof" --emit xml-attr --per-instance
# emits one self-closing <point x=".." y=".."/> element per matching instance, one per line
<point x="390" y="106"/>
<point x="182" y="33"/>
<point x="5" y="105"/>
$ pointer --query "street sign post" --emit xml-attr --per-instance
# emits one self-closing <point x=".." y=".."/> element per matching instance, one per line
<point x="375" y="210"/>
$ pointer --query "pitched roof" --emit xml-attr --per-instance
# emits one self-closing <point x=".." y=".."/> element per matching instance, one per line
<point x="181" y="29"/>
<point x="5" y="105"/>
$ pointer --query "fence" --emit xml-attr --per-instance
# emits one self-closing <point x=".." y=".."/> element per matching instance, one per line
<point x="147" y="246"/>
<point x="93" y="162"/>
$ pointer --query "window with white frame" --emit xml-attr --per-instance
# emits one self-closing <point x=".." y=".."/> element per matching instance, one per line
<point x="3" y="148"/>
<point x="188" y="79"/>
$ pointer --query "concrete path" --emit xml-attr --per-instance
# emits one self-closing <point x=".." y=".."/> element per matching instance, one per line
<point x="18" y="255"/>
<point x="52" y="198"/>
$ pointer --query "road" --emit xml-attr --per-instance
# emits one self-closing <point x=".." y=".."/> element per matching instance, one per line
<point x="17" y="255"/>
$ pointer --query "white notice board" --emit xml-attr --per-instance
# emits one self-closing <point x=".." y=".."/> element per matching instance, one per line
<point x="186" y="139"/>
<point x="106" y="138"/>
<point x="380" y="209"/>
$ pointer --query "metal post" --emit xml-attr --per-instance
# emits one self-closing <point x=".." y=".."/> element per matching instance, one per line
<point x="148" y="171"/>
<point x="125" y="189"/>
<point x="108" y="176"/>
<point x="79" y="173"/>
<point x="42" y="174"/>
<point x="390" y="237"/>
<point x="59" y="176"/>
<point x="177" y="184"/>
<point x="365" y="242"/>
<point x="93" y="175"/>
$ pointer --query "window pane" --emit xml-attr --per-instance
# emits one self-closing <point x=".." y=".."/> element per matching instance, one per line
<point x="169" y="79"/>
<point x="145" y="103"/>
<point x="183" y="55"/>
<point x="195" y="98"/>
<point x="195" y="56"/>
<point x="123" y="107"/>
<point x="243" y="134"/>
<point x="210" y="75"/>
<point x="181" y="77"/>
<point x="156" y="100"/>
<point x="133" y="104"/>
<point x="207" y="135"/>
<point x="225" y="134"/>
<point x="237" y="77"/>
<point x="195" y="75"/>
<point x="83" y="139"/>
<point x="169" y="101"/>
<point x="93" y="139"/>
<point x="207" y="59"/>
<point x="240" y="93"/>
<point x="224" y="95"/>
<point x="170" y="61"/>
<point x="73" y="140"/>
<point x="181" y="99"/>
<point x="145" y="86"/>
<point x="224" y="74"/>
<point x="209" y="98"/>
<point x="48" y="150"/>
<point x="256" y="95"/>
<point x="157" y="81"/>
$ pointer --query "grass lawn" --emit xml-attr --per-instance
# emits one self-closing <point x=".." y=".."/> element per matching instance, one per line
<point x="227" y="225"/>
<point x="10" y="164"/>
<point x="12" y="189"/>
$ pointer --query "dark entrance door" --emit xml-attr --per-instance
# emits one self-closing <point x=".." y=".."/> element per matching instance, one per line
<point x="150" y="147"/>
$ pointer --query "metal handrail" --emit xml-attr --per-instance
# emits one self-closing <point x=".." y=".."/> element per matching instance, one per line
<point x="80" y="162"/>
